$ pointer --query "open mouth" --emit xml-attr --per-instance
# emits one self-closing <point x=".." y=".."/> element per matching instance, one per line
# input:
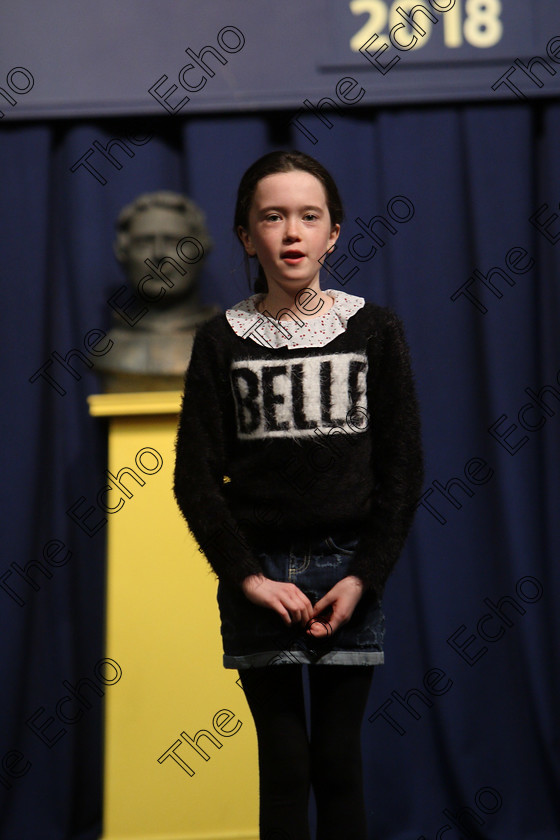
<point x="292" y="257"/>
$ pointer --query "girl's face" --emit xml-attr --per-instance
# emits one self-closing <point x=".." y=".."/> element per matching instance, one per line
<point x="289" y="229"/>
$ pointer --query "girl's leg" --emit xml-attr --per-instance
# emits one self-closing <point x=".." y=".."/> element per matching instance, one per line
<point x="275" y="697"/>
<point x="339" y="695"/>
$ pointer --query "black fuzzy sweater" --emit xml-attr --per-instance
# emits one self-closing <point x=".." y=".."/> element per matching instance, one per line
<point x="311" y="439"/>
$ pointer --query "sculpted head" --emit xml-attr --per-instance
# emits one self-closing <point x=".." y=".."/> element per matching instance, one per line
<point x="162" y="226"/>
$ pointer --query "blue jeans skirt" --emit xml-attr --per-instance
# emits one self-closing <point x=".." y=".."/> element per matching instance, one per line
<point x="254" y="636"/>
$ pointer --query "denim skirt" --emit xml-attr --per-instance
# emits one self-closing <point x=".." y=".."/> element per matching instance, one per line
<point x="255" y="636"/>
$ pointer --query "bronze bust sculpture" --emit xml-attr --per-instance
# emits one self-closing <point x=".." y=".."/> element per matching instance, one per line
<point x="161" y="242"/>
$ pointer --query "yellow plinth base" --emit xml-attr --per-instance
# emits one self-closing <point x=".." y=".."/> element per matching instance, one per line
<point x="163" y="630"/>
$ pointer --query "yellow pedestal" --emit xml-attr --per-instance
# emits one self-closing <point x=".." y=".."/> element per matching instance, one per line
<point x="163" y="630"/>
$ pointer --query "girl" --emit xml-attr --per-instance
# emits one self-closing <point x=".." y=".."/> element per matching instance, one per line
<point x="298" y="469"/>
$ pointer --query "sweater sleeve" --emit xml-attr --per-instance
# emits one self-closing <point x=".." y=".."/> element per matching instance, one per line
<point x="397" y="459"/>
<point x="200" y="464"/>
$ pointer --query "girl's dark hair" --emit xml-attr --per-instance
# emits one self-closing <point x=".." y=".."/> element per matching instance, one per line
<point x="272" y="164"/>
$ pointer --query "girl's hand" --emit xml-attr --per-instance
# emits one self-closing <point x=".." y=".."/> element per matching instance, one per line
<point x="342" y="598"/>
<point x="285" y="598"/>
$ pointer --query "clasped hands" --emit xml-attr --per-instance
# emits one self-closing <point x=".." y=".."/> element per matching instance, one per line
<point x="294" y="606"/>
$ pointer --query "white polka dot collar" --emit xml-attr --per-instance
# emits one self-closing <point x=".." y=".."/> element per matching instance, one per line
<point x="247" y="322"/>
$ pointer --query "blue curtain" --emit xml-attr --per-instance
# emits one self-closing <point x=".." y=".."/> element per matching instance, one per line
<point x="461" y="729"/>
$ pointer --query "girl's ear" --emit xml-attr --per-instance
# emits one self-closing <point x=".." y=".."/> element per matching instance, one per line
<point x="334" y="234"/>
<point x="246" y="240"/>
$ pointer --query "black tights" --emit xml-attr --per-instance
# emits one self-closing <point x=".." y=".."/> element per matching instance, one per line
<point x="330" y="760"/>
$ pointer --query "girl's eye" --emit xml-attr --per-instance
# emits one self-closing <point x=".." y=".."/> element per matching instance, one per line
<point x="310" y="217"/>
<point x="272" y="217"/>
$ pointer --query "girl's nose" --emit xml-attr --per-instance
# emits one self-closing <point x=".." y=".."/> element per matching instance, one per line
<point x="292" y="229"/>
